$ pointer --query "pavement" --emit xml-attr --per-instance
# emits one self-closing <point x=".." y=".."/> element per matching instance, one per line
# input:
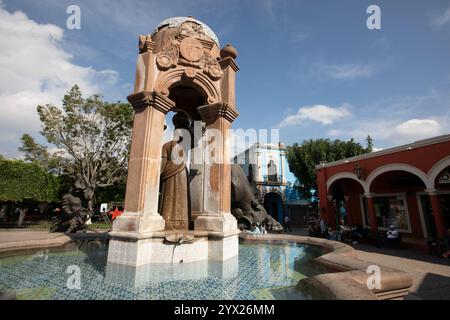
<point x="431" y="274"/>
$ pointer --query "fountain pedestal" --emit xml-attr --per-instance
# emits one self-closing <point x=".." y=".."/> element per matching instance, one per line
<point x="127" y="249"/>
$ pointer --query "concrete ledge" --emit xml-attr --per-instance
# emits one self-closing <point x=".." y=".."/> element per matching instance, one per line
<point x="133" y="236"/>
<point x="349" y="281"/>
<point x="55" y="240"/>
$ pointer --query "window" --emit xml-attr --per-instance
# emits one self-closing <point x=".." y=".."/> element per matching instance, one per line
<point x="391" y="210"/>
<point x="272" y="171"/>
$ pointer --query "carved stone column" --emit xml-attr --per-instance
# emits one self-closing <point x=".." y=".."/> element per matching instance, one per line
<point x="217" y="174"/>
<point x="141" y="199"/>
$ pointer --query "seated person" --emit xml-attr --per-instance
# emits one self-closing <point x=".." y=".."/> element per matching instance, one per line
<point x="332" y="234"/>
<point x="311" y="230"/>
<point x="392" y="236"/>
<point x="356" y="234"/>
<point x="345" y="233"/>
<point x="255" y="229"/>
<point x="433" y="246"/>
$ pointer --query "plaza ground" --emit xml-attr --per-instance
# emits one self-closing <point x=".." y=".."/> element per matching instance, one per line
<point x="430" y="274"/>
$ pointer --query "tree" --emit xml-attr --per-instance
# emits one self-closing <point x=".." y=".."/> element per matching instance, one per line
<point x="26" y="183"/>
<point x="303" y="158"/>
<point x="94" y="137"/>
<point x="39" y="154"/>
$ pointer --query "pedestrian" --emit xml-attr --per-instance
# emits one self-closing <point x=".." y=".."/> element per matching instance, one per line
<point x="323" y="228"/>
<point x="263" y="229"/>
<point x="287" y="225"/>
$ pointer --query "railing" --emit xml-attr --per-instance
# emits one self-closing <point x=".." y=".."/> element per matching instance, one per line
<point x="271" y="180"/>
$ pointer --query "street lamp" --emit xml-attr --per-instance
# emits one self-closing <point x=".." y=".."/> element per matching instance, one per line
<point x="359" y="171"/>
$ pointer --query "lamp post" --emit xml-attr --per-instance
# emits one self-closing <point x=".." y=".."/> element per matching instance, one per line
<point x="359" y="171"/>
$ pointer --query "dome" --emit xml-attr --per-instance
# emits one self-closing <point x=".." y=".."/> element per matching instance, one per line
<point x="175" y="22"/>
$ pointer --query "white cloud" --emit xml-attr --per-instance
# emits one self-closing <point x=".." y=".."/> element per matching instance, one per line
<point x="319" y="113"/>
<point x="375" y="149"/>
<point x="345" y="71"/>
<point x="394" y="132"/>
<point x="418" y="129"/>
<point x="442" y="19"/>
<point x="36" y="70"/>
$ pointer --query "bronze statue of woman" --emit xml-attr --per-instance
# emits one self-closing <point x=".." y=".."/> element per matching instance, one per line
<point x="174" y="206"/>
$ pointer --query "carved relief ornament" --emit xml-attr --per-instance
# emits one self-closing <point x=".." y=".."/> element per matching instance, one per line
<point x="190" y="48"/>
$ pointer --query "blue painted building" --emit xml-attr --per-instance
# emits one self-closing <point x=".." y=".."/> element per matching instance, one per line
<point x="267" y="170"/>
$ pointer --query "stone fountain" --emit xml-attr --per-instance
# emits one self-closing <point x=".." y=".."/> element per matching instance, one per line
<point x="172" y="215"/>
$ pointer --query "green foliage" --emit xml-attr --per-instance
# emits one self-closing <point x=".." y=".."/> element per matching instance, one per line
<point x="369" y="142"/>
<point x="94" y="138"/>
<point x="26" y="182"/>
<point x="114" y="193"/>
<point x="303" y="158"/>
<point x="39" y="154"/>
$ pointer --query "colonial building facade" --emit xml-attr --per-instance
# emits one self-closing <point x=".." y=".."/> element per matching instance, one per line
<point x="267" y="170"/>
<point x="406" y="186"/>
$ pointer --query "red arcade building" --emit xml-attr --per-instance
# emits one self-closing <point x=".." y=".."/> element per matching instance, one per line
<point x="407" y="186"/>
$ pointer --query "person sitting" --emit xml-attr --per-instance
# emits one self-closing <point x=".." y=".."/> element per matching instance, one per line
<point x="255" y="229"/>
<point x="355" y="234"/>
<point x="332" y="234"/>
<point x="345" y="233"/>
<point x="392" y="237"/>
<point x="311" y="230"/>
<point x="433" y="246"/>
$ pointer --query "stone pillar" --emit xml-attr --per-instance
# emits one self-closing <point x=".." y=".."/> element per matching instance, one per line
<point x="371" y="213"/>
<point x="217" y="174"/>
<point x="437" y="214"/>
<point x="283" y="177"/>
<point x="258" y="177"/>
<point x="196" y="172"/>
<point x="141" y="199"/>
<point x="325" y="205"/>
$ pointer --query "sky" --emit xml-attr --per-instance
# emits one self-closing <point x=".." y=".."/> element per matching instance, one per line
<point x="309" y="68"/>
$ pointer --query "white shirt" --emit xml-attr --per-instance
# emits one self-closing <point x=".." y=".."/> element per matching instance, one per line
<point x="392" y="234"/>
<point x="323" y="228"/>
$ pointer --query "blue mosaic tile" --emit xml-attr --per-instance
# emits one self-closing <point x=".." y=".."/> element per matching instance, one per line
<point x="261" y="267"/>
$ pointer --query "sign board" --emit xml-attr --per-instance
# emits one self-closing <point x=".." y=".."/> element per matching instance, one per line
<point x="104" y="207"/>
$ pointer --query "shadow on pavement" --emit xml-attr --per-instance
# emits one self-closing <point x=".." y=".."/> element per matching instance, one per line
<point x="403" y="253"/>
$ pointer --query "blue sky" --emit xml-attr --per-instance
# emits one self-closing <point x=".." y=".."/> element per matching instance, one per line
<point x="310" y="68"/>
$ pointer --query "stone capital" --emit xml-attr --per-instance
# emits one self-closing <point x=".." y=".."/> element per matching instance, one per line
<point x="213" y="111"/>
<point x="229" y="62"/>
<point x="431" y="192"/>
<point x="369" y="195"/>
<point x="145" y="44"/>
<point x="145" y="99"/>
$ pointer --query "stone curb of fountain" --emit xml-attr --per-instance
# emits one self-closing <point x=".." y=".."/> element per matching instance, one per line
<point x="163" y="234"/>
<point x="349" y="279"/>
<point x="52" y="242"/>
